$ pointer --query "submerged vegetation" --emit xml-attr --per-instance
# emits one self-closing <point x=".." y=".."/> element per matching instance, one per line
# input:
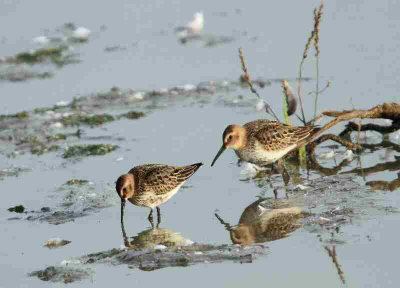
<point x="20" y="116"/>
<point x="89" y="150"/>
<point x="17" y="209"/>
<point x="56" y="49"/>
<point x="330" y="196"/>
<point x="58" y="56"/>
<point x="133" y="115"/>
<point x="77" y="182"/>
<point x="95" y="120"/>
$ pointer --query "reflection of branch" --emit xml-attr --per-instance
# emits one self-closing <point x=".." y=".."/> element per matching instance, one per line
<point x="314" y="165"/>
<point x="333" y="137"/>
<point x="383" y="144"/>
<point x="391" y="166"/>
<point x="333" y="255"/>
<point x="385" y="185"/>
<point x="351" y="126"/>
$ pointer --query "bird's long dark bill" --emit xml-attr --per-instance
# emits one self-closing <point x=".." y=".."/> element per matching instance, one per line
<point x="218" y="154"/>
<point x="122" y="210"/>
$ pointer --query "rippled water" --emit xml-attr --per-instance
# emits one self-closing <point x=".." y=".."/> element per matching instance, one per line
<point x="358" y="44"/>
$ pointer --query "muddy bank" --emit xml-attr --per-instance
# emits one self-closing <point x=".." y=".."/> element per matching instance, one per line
<point x="149" y="260"/>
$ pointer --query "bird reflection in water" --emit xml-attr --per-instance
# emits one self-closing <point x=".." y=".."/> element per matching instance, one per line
<point x="265" y="220"/>
<point x="153" y="237"/>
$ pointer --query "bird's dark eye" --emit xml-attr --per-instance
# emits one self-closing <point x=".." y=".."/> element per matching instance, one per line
<point x="230" y="137"/>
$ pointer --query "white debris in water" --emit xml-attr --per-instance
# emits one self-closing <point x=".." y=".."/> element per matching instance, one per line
<point x="52" y="115"/>
<point x="324" y="220"/>
<point x="193" y="28"/>
<point x="348" y="155"/>
<point x="120" y="159"/>
<point x="57" y="125"/>
<point x="67" y="114"/>
<point x="260" y="106"/>
<point x="163" y="90"/>
<point x="160" y="247"/>
<point x="90" y="183"/>
<point x="248" y="168"/>
<point x="41" y="40"/>
<point x="67" y="262"/>
<point x="301" y="187"/>
<point x="395" y="136"/>
<point x="138" y="96"/>
<point x="62" y="103"/>
<point x="91" y="194"/>
<point x="81" y="33"/>
<point x="54" y="242"/>
<point x="387" y="122"/>
<point x="368" y="134"/>
<point x="235" y="101"/>
<point x="198" y="253"/>
<point x="188" y="242"/>
<point x="188" y="87"/>
<point x="327" y="155"/>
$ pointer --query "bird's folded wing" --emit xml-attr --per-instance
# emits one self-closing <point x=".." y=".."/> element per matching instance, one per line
<point x="163" y="179"/>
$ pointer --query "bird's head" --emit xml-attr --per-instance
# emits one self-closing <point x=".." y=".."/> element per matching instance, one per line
<point x="125" y="186"/>
<point x="233" y="137"/>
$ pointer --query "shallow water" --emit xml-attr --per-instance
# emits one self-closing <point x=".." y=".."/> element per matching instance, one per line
<point x="186" y="128"/>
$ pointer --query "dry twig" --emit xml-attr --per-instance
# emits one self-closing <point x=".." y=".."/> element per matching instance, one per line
<point x="333" y="255"/>
<point x="268" y="108"/>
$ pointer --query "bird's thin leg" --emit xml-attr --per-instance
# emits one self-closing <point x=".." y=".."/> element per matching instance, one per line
<point x="158" y="216"/>
<point x="279" y="166"/>
<point x="151" y="218"/>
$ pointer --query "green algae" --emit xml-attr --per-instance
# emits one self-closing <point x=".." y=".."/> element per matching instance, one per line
<point x="76" y="182"/>
<point x="73" y="105"/>
<point x="37" y="147"/>
<point x="39" y="56"/>
<point x="89" y="150"/>
<point x="95" y="120"/>
<point x="43" y="110"/>
<point x="55" y="55"/>
<point x="17" y="209"/>
<point x="56" y="137"/>
<point x="132" y="115"/>
<point x="20" y="115"/>
<point x="42" y="148"/>
<point x="20" y="74"/>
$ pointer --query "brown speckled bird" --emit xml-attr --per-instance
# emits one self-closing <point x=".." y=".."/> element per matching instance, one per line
<point x="152" y="184"/>
<point x="262" y="142"/>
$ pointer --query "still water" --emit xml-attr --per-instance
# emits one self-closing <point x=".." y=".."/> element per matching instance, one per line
<point x="358" y="54"/>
